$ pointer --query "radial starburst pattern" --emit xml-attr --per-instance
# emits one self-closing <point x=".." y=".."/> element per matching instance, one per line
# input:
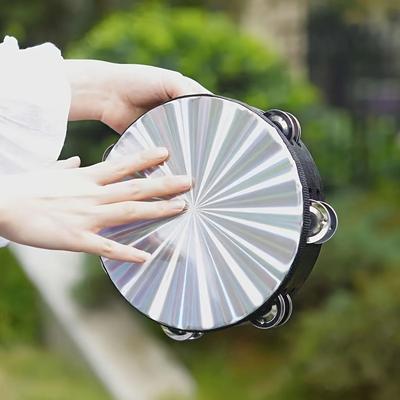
<point x="227" y="253"/>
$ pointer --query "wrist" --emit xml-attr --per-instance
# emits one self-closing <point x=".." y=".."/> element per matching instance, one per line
<point x="4" y="216"/>
<point x="90" y="90"/>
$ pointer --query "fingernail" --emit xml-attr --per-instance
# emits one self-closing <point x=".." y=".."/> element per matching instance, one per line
<point x="143" y="256"/>
<point x="159" y="152"/>
<point x="184" y="180"/>
<point x="177" y="204"/>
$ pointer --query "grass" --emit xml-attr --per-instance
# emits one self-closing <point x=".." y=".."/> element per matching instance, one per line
<point x="29" y="372"/>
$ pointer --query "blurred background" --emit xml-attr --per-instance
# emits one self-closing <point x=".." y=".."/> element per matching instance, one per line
<point x="336" y="65"/>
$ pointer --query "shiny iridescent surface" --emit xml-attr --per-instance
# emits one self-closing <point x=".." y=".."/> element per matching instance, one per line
<point x="223" y="257"/>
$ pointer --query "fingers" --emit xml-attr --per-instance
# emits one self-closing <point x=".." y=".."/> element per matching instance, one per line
<point x="101" y="246"/>
<point x="72" y="162"/>
<point x="130" y="211"/>
<point x="195" y="87"/>
<point x="176" y="84"/>
<point x="141" y="189"/>
<point x="113" y="171"/>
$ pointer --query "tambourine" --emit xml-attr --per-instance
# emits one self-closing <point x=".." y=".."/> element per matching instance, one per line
<point x="253" y="225"/>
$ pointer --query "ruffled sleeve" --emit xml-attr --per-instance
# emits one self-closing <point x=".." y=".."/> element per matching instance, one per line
<point x="34" y="105"/>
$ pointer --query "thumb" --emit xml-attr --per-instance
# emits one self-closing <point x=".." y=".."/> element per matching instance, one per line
<point x="72" y="162"/>
<point x="175" y="84"/>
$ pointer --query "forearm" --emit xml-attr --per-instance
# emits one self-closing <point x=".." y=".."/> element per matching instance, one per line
<point x="90" y="91"/>
<point x="117" y="94"/>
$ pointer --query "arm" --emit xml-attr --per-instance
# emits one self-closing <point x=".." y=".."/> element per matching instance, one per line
<point x="65" y="208"/>
<point x="117" y="94"/>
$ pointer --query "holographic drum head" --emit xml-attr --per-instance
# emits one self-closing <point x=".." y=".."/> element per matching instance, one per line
<point x="237" y="245"/>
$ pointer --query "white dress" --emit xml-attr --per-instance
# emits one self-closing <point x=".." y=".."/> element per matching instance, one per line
<point x="34" y="105"/>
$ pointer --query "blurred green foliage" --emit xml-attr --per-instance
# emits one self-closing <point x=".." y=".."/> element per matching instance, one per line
<point x="360" y="10"/>
<point x="347" y="341"/>
<point x="19" y="314"/>
<point x="94" y="282"/>
<point x="58" y="21"/>
<point x="190" y="41"/>
<point x="209" y="48"/>
<point x="204" y="46"/>
<point x="350" y="347"/>
<point x="34" y="373"/>
<point x="28" y="370"/>
<point x="366" y="244"/>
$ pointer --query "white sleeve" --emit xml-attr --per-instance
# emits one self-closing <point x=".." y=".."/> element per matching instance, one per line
<point x="34" y="105"/>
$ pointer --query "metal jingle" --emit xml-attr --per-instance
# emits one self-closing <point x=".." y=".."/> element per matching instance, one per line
<point x="282" y="303"/>
<point x="273" y="316"/>
<point x="289" y="309"/>
<point x="179" y="335"/>
<point x="324" y="222"/>
<point x="296" y="127"/>
<point x="196" y="335"/>
<point x="286" y="122"/>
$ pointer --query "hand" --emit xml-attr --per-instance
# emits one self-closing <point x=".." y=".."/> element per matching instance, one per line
<point x="64" y="207"/>
<point x="117" y="94"/>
